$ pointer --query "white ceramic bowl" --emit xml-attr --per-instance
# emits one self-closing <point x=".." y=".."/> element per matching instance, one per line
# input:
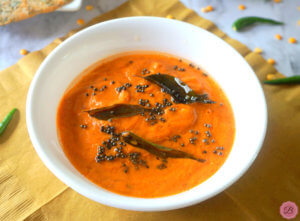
<point x="72" y="6"/>
<point x="220" y="60"/>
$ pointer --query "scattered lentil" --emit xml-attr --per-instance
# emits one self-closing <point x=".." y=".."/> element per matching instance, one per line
<point x="257" y="50"/>
<point x="278" y="36"/>
<point x="80" y="21"/>
<point x="23" y="52"/>
<point x="89" y="7"/>
<point x="242" y="7"/>
<point x="292" y="40"/>
<point x="169" y="16"/>
<point x="271" y="61"/>
<point x="208" y="8"/>
<point x="270" y="76"/>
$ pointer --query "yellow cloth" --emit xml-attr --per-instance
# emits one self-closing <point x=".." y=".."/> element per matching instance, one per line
<point x="28" y="190"/>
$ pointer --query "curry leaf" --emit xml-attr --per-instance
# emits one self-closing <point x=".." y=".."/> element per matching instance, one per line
<point x="180" y="92"/>
<point x="155" y="149"/>
<point x="117" y="111"/>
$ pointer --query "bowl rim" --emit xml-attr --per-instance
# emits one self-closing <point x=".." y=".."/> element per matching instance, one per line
<point x="172" y="205"/>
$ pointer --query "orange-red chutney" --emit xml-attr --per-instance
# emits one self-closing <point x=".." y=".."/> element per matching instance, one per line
<point x="80" y="144"/>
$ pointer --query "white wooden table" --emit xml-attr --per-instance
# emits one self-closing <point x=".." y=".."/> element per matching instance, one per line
<point x="35" y="33"/>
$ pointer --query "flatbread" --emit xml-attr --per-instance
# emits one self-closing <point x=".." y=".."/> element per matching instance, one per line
<point x="16" y="10"/>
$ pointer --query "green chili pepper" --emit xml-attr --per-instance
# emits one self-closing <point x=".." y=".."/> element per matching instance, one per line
<point x="288" y="80"/>
<point x="241" y="23"/>
<point x="6" y="120"/>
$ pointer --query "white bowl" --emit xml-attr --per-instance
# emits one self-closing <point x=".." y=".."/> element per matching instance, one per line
<point x="72" y="6"/>
<point x="219" y="59"/>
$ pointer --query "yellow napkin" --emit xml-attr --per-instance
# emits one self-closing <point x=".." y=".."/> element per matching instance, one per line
<point x="29" y="191"/>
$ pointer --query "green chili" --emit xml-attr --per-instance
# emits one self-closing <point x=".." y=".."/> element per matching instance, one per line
<point x="241" y="23"/>
<point x="6" y="120"/>
<point x="287" y="80"/>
